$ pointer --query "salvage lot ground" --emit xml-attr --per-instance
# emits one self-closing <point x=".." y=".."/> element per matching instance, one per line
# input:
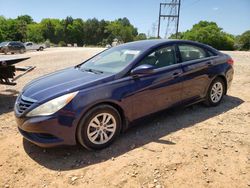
<point x="196" y="146"/>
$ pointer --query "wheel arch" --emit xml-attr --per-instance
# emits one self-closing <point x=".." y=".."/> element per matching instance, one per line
<point x="221" y="76"/>
<point x="124" y="121"/>
<point x="120" y="110"/>
<point x="224" y="80"/>
<point x="117" y="107"/>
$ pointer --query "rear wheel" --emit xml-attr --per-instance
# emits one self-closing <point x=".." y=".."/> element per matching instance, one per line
<point x="41" y="49"/>
<point x="99" y="127"/>
<point x="215" y="92"/>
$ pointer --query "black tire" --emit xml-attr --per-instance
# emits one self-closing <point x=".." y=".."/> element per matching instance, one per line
<point x="21" y="51"/>
<point x="84" y="127"/>
<point x="41" y="49"/>
<point x="210" y="99"/>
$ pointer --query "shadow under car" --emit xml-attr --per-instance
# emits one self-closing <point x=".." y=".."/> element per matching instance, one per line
<point x="146" y="130"/>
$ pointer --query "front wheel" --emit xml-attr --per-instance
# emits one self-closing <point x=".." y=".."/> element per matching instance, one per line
<point x="215" y="92"/>
<point x="99" y="127"/>
<point x="21" y="51"/>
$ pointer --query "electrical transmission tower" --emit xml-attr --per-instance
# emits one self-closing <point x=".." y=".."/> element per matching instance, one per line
<point x="170" y="11"/>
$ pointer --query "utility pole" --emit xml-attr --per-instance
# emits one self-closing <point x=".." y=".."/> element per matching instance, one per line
<point x="178" y="19"/>
<point x="172" y="14"/>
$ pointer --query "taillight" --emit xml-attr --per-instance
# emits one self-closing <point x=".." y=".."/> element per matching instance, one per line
<point x="230" y="61"/>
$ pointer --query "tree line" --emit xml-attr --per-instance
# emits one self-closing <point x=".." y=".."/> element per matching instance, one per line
<point x="102" y="32"/>
<point x="210" y="33"/>
<point x="68" y="30"/>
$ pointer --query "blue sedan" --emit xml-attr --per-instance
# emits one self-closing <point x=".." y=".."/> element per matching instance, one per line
<point x="93" y="102"/>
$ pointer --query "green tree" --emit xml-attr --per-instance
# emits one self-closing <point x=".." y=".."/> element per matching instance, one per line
<point x="141" y="36"/>
<point x="25" y="18"/>
<point x="21" y="30"/>
<point x="34" y="33"/>
<point x="95" y="31"/>
<point x="91" y="32"/>
<point x="10" y="30"/>
<point x="52" y="29"/>
<point x="244" y="41"/>
<point x="122" y="30"/>
<point x="67" y="25"/>
<point x="68" y="30"/>
<point x="13" y="29"/>
<point x="2" y="28"/>
<point x="75" y="32"/>
<point x="209" y="33"/>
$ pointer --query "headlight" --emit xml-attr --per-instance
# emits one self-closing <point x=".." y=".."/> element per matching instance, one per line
<point x="52" y="106"/>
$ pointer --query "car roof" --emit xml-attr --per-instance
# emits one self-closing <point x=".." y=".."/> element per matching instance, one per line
<point x="16" y="42"/>
<point x="144" y="44"/>
<point x="154" y="43"/>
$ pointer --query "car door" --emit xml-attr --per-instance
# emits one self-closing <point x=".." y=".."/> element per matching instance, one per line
<point x="11" y="46"/>
<point x="160" y="89"/>
<point x="16" y="46"/>
<point x="28" y="46"/>
<point x="195" y="62"/>
<point x="19" y="46"/>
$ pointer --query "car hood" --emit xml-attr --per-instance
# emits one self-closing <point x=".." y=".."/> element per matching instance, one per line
<point x="62" y="82"/>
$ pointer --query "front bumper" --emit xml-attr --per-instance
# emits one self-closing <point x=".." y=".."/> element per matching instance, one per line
<point x="47" y="131"/>
<point x="3" y="49"/>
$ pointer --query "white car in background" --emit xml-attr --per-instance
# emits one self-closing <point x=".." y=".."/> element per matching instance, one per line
<point x="34" y="46"/>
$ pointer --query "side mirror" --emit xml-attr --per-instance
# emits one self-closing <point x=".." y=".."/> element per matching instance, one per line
<point x="143" y="69"/>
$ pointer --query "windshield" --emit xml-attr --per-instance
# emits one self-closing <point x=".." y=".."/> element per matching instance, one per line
<point x="113" y="60"/>
<point x="3" y="43"/>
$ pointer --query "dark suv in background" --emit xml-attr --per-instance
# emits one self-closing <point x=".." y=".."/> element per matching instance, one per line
<point x="12" y="47"/>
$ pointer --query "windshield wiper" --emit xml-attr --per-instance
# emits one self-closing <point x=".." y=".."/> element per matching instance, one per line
<point x="93" y="71"/>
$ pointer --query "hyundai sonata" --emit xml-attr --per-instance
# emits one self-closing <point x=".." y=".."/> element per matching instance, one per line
<point x="94" y="101"/>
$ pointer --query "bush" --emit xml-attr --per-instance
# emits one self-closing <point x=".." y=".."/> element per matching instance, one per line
<point x="61" y="44"/>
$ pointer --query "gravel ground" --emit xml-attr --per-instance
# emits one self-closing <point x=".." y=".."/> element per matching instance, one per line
<point x="196" y="146"/>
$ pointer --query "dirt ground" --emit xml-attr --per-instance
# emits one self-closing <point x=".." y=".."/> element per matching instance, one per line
<point x="196" y="146"/>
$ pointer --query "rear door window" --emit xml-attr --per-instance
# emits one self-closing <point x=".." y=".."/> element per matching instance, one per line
<point x="160" y="58"/>
<point x="190" y="52"/>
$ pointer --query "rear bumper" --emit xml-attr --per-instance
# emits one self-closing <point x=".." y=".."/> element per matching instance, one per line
<point x="46" y="131"/>
<point x="229" y="77"/>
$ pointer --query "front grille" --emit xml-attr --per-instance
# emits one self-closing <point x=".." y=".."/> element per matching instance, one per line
<point x="23" y="103"/>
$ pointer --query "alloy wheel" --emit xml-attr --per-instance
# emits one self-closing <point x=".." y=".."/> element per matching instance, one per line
<point x="101" y="128"/>
<point x="216" y="92"/>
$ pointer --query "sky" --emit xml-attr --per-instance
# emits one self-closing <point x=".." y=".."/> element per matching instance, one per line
<point x="231" y="15"/>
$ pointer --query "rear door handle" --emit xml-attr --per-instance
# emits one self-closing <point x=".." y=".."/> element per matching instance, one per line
<point x="210" y="64"/>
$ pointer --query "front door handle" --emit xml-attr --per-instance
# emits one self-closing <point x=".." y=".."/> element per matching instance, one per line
<point x="176" y="74"/>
